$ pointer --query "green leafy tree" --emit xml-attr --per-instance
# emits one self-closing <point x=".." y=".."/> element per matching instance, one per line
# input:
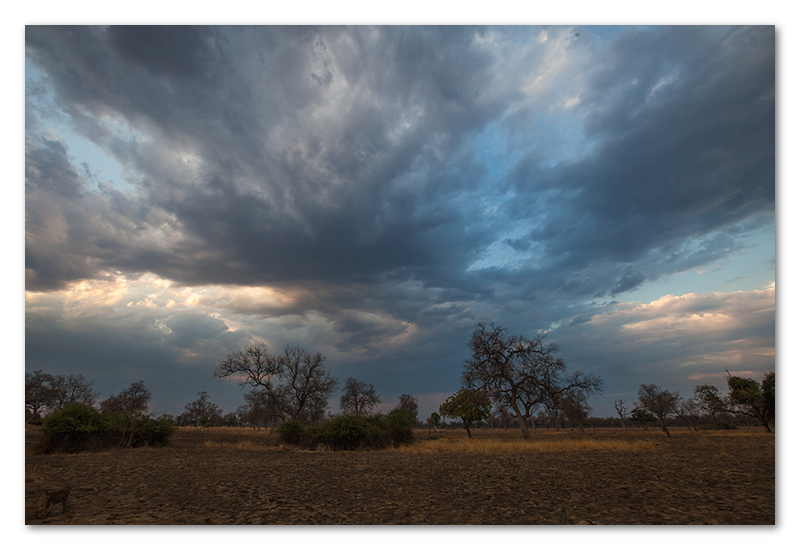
<point x="435" y="420"/>
<point x="468" y="404"/>
<point x="662" y="403"/>
<point x="746" y="396"/>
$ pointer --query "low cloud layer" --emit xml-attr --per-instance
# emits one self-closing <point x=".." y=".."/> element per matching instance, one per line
<point x="373" y="192"/>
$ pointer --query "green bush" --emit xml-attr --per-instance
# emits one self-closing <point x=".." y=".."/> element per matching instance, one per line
<point x="75" y="428"/>
<point x="137" y="430"/>
<point x="292" y="433"/>
<point x="351" y="432"/>
<point x="400" y="426"/>
<point x="78" y="428"/>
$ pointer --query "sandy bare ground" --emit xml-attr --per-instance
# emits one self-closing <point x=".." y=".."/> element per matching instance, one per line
<point x="239" y="476"/>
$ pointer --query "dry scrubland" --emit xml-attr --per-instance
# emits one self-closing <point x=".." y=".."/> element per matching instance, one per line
<point x="241" y="476"/>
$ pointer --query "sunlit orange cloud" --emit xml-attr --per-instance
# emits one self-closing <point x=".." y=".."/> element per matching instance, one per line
<point x="81" y="297"/>
<point x="151" y="292"/>
<point x="690" y="314"/>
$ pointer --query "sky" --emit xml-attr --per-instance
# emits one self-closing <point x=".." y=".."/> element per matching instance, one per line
<point x="372" y="193"/>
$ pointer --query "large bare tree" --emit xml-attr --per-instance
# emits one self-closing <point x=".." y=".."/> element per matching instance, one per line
<point x="40" y="394"/>
<point x="133" y="399"/>
<point x="296" y="384"/>
<point x="522" y="373"/>
<point x="74" y="388"/>
<point x="358" y="398"/>
<point x="46" y="392"/>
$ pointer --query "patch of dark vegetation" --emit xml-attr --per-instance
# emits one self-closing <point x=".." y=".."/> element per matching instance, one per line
<point x="352" y="432"/>
<point x="77" y="428"/>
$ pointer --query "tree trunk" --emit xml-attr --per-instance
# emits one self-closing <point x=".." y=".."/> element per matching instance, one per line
<point x="664" y="427"/>
<point x="522" y="424"/>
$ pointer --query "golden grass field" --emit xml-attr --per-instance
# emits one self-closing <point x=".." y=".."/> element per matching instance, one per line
<point x="243" y="476"/>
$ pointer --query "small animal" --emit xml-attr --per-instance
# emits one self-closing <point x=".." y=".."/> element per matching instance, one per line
<point x="47" y="499"/>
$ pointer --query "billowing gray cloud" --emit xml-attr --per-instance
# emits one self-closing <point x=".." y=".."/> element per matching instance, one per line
<point x="375" y="191"/>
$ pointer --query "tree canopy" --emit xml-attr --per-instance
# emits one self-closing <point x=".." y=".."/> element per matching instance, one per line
<point x="296" y="383"/>
<point x="523" y="373"/>
<point x="468" y="404"/>
<point x="660" y="403"/>
<point x="753" y="399"/>
<point x="358" y="398"/>
<point x="201" y="412"/>
<point x="133" y="399"/>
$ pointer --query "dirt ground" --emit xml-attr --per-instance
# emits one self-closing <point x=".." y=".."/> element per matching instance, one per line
<point x="240" y="476"/>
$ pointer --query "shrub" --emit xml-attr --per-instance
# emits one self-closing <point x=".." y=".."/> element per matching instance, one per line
<point x="400" y="426"/>
<point x="350" y="432"/>
<point x="291" y="433"/>
<point x="77" y="428"/>
<point x="136" y="430"/>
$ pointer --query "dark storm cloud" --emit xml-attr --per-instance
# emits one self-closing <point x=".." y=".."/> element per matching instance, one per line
<point x="683" y="121"/>
<point x="392" y="185"/>
<point x="340" y="194"/>
<point x="172" y="51"/>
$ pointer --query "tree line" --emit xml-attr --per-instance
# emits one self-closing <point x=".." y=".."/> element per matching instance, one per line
<point x="507" y="378"/>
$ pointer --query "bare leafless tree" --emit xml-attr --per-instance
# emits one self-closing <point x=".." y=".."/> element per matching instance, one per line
<point x="74" y="388"/>
<point x="296" y="384"/>
<point x="133" y="399"/>
<point x="619" y="406"/>
<point x="258" y="411"/>
<point x="358" y="398"/>
<point x="409" y="403"/>
<point x="201" y="412"/>
<point x="40" y="394"/>
<point x="688" y="410"/>
<point x="710" y="401"/>
<point x="521" y="373"/>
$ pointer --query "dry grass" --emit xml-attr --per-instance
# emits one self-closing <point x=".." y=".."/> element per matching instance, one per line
<point x="244" y="444"/>
<point x="32" y="475"/>
<point x="486" y="445"/>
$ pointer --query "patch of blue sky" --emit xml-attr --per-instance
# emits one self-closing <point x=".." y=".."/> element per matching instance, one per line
<point x="89" y="159"/>
<point x="493" y="150"/>
<point x="750" y="268"/>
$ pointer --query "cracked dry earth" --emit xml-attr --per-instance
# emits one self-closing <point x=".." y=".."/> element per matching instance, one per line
<point x="239" y="476"/>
